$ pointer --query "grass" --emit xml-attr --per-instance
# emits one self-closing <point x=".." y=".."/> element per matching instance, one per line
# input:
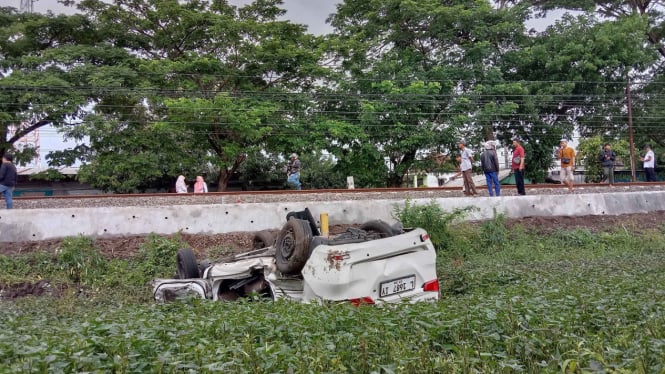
<point x="569" y="302"/>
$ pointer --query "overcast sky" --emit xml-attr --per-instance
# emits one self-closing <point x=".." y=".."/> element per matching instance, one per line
<point x="312" y="13"/>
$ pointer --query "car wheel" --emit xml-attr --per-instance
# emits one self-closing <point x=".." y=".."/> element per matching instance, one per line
<point x="263" y="239"/>
<point x="378" y="227"/>
<point x="292" y="246"/>
<point x="187" y="267"/>
<point x="305" y="215"/>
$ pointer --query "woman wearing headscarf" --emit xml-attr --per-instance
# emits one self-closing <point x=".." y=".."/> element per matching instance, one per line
<point x="180" y="185"/>
<point x="200" y="186"/>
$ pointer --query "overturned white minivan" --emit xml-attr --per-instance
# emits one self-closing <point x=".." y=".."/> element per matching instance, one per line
<point x="375" y="263"/>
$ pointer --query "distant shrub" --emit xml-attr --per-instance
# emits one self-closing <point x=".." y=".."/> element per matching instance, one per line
<point x="432" y="218"/>
<point x="80" y="260"/>
<point x="157" y="255"/>
<point x="493" y="232"/>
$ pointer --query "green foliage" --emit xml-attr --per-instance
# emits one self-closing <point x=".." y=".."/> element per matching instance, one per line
<point x="262" y="172"/>
<point x="19" y="268"/>
<point x="365" y="164"/>
<point x="157" y="256"/>
<point x="80" y="260"/>
<point x="321" y="172"/>
<point x="589" y="150"/>
<point x="493" y="232"/>
<point x="432" y="218"/>
<point x="50" y="175"/>
<point x="592" y="304"/>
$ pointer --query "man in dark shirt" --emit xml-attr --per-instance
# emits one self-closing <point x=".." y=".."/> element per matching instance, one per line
<point x="490" y="164"/>
<point x="607" y="159"/>
<point x="7" y="178"/>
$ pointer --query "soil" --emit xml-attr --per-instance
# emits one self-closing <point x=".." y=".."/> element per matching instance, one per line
<point x="205" y="245"/>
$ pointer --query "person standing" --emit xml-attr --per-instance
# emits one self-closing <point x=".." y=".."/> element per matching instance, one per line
<point x="490" y="164"/>
<point x="8" y="179"/>
<point x="649" y="160"/>
<point x="200" y="185"/>
<point x="607" y="158"/>
<point x="466" y="159"/>
<point x="567" y="156"/>
<point x="517" y="166"/>
<point x="180" y="185"/>
<point x="293" y="171"/>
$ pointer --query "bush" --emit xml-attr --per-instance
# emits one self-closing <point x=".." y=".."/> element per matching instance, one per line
<point x="80" y="260"/>
<point x="493" y="233"/>
<point x="432" y="218"/>
<point x="157" y="255"/>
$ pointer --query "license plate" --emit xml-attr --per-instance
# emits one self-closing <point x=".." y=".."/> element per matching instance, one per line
<point x="397" y="286"/>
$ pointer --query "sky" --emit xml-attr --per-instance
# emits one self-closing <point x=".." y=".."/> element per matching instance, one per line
<point x="312" y="13"/>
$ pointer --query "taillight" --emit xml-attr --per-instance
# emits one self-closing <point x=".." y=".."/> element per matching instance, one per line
<point x="424" y="237"/>
<point x="362" y="301"/>
<point x="431" y="286"/>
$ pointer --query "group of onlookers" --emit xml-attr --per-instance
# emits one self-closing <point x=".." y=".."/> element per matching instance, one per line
<point x="200" y="186"/>
<point x="181" y="186"/>
<point x="489" y="163"/>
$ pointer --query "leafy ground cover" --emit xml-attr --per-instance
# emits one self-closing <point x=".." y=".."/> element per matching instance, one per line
<point x="514" y="299"/>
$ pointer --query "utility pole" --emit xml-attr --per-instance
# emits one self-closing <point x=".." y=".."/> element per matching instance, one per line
<point x="630" y="133"/>
<point x="27" y="6"/>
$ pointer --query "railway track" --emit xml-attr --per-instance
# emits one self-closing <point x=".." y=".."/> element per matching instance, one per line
<point x="529" y="187"/>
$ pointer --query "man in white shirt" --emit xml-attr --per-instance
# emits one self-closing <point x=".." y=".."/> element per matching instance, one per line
<point x="466" y="158"/>
<point x="649" y="164"/>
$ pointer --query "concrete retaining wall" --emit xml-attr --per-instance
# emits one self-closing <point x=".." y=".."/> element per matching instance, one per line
<point x="40" y="224"/>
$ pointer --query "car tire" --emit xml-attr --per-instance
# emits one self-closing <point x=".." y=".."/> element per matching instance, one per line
<point x="187" y="267"/>
<point x="305" y="214"/>
<point x="263" y="239"/>
<point x="292" y="246"/>
<point x="379" y="227"/>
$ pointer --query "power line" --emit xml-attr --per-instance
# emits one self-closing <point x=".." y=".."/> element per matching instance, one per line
<point x="27" y="6"/>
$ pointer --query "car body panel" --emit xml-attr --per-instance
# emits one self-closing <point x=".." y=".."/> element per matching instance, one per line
<point x="357" y="270"/>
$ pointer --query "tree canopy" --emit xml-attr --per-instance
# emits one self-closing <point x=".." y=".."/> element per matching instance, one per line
<point x="159" y="88"/>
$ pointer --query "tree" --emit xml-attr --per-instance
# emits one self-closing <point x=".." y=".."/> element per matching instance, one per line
<point x="415" y="68"/>
<point x="218" y="77"/>
<point x="652" y="12"/>
<point x="51" y="68"/>
<point x="573" y="78"/>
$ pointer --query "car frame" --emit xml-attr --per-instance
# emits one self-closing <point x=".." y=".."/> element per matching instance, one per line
<point x="374" y="263"/>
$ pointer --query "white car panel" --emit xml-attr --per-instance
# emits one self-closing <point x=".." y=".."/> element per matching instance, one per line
<point x="357" y="270"/>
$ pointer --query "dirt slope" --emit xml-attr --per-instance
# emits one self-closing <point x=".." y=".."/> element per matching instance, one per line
<point x="126" y="246"/>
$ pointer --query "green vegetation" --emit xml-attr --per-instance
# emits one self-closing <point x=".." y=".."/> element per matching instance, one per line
<point x="512" y="301"/>
<point x="433" y="218"/>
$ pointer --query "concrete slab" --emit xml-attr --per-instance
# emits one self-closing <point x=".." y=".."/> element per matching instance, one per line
<point x="41" y="224"/>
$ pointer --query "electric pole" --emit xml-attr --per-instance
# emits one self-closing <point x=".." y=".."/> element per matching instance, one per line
<point x="26" y="6"/>
<point x="630" y="133"/>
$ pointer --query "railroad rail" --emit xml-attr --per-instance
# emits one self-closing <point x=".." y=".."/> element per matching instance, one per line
<point x="336" y="191"/>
